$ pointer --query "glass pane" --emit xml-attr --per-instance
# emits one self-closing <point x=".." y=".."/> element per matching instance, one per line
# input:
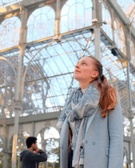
<point x="41" y="24"/>
<point x="76" y="14"/>
<point x="9" y="32"/>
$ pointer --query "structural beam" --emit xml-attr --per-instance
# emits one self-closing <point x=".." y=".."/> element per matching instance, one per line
<point x="122" y="16"/>
<point x="25" y="3"/>
<point x="32" y="118"/>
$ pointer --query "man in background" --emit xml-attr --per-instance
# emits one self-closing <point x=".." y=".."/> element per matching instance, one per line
<point x="31" y="156"/>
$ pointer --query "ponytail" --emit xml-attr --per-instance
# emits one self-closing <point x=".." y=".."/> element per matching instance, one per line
<point x="108" y="97"/>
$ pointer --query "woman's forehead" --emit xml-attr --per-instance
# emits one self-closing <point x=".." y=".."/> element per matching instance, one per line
<point x="88" y="59"/>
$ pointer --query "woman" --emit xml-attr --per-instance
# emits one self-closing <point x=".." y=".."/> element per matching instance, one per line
<point x="93" y="115"/>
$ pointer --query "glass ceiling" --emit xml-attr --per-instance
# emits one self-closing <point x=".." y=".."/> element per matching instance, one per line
<point x="49" y="76"/>
<point x="128" y="6"/>
<point x="4" y="3"/>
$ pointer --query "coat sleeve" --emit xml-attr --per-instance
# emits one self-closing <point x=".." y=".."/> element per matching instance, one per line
<point x="41" y="157"/>
<point x="115" y="130"/>
<point x="64" y="145"/>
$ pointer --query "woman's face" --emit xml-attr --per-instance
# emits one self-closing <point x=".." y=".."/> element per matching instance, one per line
<point x="85" y="70"/>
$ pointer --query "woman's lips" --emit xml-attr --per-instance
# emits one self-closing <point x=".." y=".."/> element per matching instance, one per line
<point x="77" y="71"/>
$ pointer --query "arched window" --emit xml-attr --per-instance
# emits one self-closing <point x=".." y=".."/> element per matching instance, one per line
<point x="119" y="36"/>
<point x="76" y="14"/>
<point x="107" y="22"/>
<point x="41" y="24"/>
<point x="48" y="140"/>
<point x="9" y="32"/>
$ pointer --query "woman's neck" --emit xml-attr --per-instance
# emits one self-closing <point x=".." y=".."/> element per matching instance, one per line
<point x="83" y="90"/>
<point x="84" y="86"/>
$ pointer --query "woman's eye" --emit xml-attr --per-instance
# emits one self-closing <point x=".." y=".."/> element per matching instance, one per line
<point x="84" y="63"/>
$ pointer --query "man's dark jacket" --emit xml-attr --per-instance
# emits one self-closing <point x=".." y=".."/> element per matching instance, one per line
<point x="31" y="160"/>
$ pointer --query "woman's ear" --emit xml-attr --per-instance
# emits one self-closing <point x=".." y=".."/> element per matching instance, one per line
<point x="95" y="74"/>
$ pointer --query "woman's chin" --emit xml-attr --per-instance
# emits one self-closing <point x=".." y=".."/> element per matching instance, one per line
<point x="77" y="78"/>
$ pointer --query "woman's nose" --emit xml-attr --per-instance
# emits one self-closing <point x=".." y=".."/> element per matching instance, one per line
<point x="77" y="65"/>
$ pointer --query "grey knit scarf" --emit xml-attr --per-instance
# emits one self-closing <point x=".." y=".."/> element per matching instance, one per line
<point x="78" y="109"/>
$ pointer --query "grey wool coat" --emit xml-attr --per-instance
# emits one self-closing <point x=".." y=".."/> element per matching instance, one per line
<point x="103" y="140"/>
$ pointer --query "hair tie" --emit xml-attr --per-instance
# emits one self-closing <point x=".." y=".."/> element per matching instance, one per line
<point x="102" y="77"/>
